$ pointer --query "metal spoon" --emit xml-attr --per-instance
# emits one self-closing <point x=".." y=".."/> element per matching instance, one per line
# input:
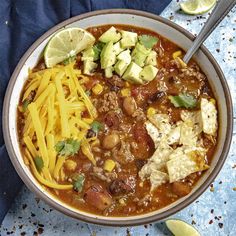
<point x="219" y="12"/>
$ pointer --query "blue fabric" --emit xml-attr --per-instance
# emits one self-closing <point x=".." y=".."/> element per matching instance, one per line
<point x="22" y="22"/>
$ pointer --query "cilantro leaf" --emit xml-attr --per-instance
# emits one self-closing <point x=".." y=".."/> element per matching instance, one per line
<point x="96" y="126"/>
<point x="38" y="161"/>
<point x="147" y="40"/>
<point x="183" y="100"/>
<point x="25" y="104"/>
<point x="68" y="147"/>
<point x="69" y="60"/>
<point x="97" y="48"/>
<point x="78" y="182"/>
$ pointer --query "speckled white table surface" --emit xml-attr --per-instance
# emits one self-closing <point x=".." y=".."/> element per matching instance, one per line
<point x="213" y="214"/>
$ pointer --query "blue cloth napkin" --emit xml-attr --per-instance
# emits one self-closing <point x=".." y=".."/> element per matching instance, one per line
<point x="22" y="22"/>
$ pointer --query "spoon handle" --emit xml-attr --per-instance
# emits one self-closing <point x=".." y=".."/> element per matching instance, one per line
<point x="219" y="12"/>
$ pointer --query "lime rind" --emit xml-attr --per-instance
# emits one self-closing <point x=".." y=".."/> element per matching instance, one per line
<point x="196" y="7"/>
<point x="66" y="43"/>
<point x="181" y="228"/>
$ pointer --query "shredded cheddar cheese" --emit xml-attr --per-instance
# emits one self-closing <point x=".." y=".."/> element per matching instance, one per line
<point x="53" y="116"/>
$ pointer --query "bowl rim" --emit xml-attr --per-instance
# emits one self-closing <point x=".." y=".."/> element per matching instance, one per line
<point x="129" y="222"/>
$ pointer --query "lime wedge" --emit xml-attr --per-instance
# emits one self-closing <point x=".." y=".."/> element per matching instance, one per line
<point x="65" y="44"/>
<point x="195" y="7"/>
<point x="181" y="228"/>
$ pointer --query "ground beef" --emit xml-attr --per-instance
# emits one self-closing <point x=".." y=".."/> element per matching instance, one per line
<point x="123" y="154"/>
<point x="99" y="173"/>
<point x="109" y="102"/>
<point x="143" y="201"/>
<point x="139" y="115"/>
<point x="116" y="83"/>
<point x="192" y="71"/>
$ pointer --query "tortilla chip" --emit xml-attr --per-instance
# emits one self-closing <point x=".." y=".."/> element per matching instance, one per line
<point x="153" y="133"/>
<point x="158" y="178"/>
<point x="209" y="116"/>
<point x="179" y="168"/>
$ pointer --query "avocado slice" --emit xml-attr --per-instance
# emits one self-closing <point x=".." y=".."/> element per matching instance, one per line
<point x="132" y="73"/>
<point x="108" y="56"/>
<point x="148" y="73"/>
<point x="108" y="72"/>
<point x="129" y="39"/>
<point x="110" y="36"/>
<point x="88" y="54"/>
<point x="151" y="58"/>
<point x="125" y="56"/>
<point x="89" y="67"/>
<point x="139" y="54"/>
<point x="117" y="48"/>
<point x="120" y="67"/>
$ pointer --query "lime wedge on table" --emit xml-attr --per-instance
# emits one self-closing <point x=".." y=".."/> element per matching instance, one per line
<point x="181" y="228"/>
<point x="195" y="7"/>
<point x="66" y="43"/>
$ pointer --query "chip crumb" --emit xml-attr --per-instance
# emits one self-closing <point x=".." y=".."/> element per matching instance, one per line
<point x="234" y="188"/>
<point x="212" y="189"/>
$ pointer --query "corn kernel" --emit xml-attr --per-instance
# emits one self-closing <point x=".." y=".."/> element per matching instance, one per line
<point x="97" y="89"/>
<point x="177" y="54"/>
<point x="109" y="165"/>
<point x="151" y="111"/>
<point x="125" y="92"/>
<point x="181" y="62"/>
<point x="213" y="101"/>
<point x="127" y="84"/>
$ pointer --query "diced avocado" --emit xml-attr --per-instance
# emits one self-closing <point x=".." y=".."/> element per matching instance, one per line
<point x="108" y="72"/>
<point x="120" y="67"/>
<point x="110" y="36"/>
<point x="125" y="56"/>
<point x="151" y="58"/>
<point x="139" y="54"/>
<point x="129" y="39"/>
<point x="88" y="54"/>
<point x="117" y="48"/>
<point x="148" y="73"/>
<point x="132" y="73"/>
<point x="89" y="67"/>
<point x="108" y="56"/>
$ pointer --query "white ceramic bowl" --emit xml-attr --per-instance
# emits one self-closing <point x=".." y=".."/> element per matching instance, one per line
<point x="137" y="18"/>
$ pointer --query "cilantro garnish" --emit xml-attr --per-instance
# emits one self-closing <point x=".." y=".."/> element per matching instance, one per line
<point x="96" y="126"/>
<point x="69" y="60"/>
<point x="38" y="161"/>
<point x="147" y="40"/>
<point x="68" y="147"/>
<point x="97" y="48"/>
<point x="183" y="100"/>
<point x="78" y="182"/>
<point x="25" y="104"/>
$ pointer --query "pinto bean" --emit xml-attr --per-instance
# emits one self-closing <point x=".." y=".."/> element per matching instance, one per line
<point x="98" y="197"/>
<point x="110" y="141"/>
<point x="129" y="105"/>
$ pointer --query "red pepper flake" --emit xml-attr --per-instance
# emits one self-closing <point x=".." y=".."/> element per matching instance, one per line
<point x="210" y="222"/>
<point x="193" y="222"/>
<point x="221" y="225"/>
